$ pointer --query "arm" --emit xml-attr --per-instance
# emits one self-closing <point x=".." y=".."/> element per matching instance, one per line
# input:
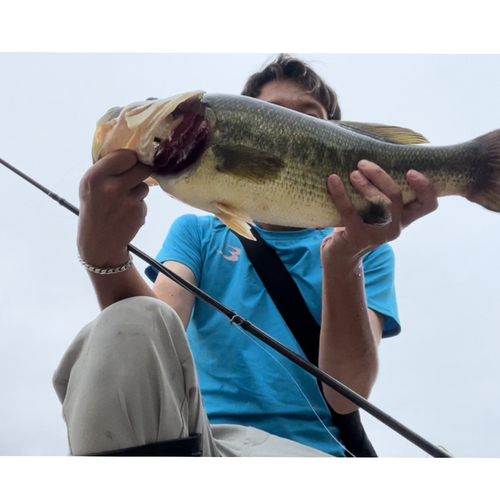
<point x="350" y="332"/>
<point x="350" y="335"/>
<point x="112" y="210"/>
<point x="175" y="295"/>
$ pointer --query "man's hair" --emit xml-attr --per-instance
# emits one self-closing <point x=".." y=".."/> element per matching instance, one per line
<point x="286" y="67"/>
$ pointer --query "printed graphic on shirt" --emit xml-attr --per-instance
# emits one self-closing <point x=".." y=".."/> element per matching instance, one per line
<point x="234" y="253"/>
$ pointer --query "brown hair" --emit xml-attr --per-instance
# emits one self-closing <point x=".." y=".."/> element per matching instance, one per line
<point x="286" y="67"/>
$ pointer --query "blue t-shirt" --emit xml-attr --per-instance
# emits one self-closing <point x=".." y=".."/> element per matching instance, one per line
<point x="242" y="380"/>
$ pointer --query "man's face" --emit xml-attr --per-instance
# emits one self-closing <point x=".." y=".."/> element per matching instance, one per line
<point x="291" y="95"/>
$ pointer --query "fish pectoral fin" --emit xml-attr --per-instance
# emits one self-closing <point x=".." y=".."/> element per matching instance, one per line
<point x="234" y="211"/>
<point x="236" y="225"/>
<point x="384" y="133"/>
<point x="248" y="163"/>
<point x="234" y="218"/>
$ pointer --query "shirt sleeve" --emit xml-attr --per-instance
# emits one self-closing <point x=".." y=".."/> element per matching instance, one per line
<point x="182" y="244"/>
<point x="379" y="271"/>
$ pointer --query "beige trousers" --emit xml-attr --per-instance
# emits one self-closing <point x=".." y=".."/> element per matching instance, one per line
<point x="129" y="379"/>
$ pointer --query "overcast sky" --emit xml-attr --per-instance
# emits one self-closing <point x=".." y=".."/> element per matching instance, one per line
<point x="440" y="376"/>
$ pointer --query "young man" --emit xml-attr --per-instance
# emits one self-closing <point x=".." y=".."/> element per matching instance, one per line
<point x="129" y="380"/>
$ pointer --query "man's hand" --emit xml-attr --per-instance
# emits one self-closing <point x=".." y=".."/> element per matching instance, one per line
<point x="112" y="208"/>
<point x="350" y="243"/>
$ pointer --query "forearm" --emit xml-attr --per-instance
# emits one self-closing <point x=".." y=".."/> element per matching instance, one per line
<point x="348" y="347"/>
<point x="112" y="288"/>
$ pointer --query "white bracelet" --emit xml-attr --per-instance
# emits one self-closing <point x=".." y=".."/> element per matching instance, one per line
<point x="109" y="270"/>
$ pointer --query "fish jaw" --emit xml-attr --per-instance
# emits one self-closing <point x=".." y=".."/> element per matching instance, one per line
<point x="137" y="125"/>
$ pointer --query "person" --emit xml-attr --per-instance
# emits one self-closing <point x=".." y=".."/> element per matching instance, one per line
<point x="157" y="365"/>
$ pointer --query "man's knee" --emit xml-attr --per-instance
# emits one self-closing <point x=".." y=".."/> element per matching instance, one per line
<point x="138" y="310"/>
<point x="128" y="367"/>
<point x="131" y="327"/>
<point x="125" y="336"/>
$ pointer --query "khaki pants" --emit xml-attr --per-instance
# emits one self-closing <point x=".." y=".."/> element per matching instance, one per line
<point x="129" y="379"/>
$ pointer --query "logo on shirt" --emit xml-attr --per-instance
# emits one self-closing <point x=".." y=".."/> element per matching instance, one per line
<point x="234" y="253"/>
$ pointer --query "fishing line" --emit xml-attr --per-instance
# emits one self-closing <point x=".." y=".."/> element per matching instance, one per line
<point x="299" y="388"/>
<point x="263" y="336"/>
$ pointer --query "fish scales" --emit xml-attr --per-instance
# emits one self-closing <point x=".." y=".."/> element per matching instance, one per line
<point x="304" y="141"/>
<point x="247" y="160"/>
<point x="300" y="145"/>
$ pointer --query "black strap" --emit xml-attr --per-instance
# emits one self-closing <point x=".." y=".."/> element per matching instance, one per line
<point x="289" y="301"/>
<point x="183" y="447"/>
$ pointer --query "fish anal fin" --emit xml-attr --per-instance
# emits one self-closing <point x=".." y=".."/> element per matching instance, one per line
<point x="248" y="163"/>
<point x="377" y="213"/>
<point x="384" y="133"/>
<point x="235" y="219"/>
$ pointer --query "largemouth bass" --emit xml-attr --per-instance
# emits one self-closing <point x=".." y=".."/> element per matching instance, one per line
<point x="247" y="160"/>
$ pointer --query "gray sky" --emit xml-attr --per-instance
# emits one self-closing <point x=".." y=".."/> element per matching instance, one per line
<point x="440" y="376"/>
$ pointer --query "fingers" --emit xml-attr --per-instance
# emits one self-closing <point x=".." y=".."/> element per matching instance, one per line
<point x="426" y="201"/>
<point x="138" y="173"/>
<point x="140" y="191"/>
<point x="424" y="189"/>
<point x="342" y="202"/>
<point x="117" y="162"/>
<point x="370" y="181"/>
<point x="378" y="185"/>
<point x="122" y="163"/>
<point x="117" y="173"/>
<point x="375" y="185"/>
<point x="367" y="189"/>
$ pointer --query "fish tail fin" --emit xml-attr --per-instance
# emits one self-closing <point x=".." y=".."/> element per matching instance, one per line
<point x="485" y="189"/>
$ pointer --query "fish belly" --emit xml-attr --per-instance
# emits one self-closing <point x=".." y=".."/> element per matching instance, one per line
<point x="290" y="200"/>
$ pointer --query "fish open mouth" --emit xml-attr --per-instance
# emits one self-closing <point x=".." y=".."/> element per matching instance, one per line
<point x="188" y="142"/>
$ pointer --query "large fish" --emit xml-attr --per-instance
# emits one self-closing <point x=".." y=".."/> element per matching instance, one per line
<point x="246" y="160"/>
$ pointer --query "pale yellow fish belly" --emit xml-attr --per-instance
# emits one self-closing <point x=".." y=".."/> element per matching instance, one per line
<point x="280" y="202"/>
<point x="273" y="202"/>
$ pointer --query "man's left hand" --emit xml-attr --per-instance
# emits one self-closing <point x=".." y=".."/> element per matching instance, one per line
<point x="349" y="243"/>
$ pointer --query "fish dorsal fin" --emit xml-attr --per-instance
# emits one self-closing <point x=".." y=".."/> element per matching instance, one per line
<point x="235" y="218"/>
<point x="248" y="163"/>
<point x="384" y="133"/>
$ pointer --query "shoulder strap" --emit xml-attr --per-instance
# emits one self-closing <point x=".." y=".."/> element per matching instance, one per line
<point x="285" y="294"/>
<point x="291" y="304"/>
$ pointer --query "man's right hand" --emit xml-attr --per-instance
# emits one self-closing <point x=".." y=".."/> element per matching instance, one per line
<point x="112" y="208"/>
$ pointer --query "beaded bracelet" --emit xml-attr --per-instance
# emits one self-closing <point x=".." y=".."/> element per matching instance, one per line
<point x="109" y="270"/>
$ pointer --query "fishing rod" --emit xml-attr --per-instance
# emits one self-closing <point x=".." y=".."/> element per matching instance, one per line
<point x="244" y="324"/>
